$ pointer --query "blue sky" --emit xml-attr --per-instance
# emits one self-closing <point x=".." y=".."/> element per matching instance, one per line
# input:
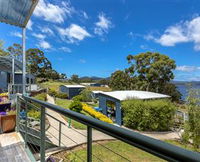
<point x="93" y="38"/>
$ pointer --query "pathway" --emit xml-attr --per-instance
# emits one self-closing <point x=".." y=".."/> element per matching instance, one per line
<point x="70" y="136"/>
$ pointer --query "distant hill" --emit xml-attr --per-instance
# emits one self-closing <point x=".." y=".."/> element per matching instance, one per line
<point x="93" y="78"/>
<point x="186" y="82"/>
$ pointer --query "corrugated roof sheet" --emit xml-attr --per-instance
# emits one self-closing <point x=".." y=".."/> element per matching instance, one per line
<point x="124" y="95"/>
<point x="16" y="12"/>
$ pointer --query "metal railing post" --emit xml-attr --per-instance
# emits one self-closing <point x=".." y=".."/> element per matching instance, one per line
<point x="89" y="144"/>
<point x="60" y="127"/>
<point x="42" y="134"/>
<point x="18" y="105"/>
<point x="26" y="123"/>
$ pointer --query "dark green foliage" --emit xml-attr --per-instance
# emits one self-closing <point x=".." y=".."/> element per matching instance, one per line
<point x="192" y="126"/>
<point x="75" y="78"/>
<point x="149" y="115"/>
<point x="148" y="72"/>
<point x="76" y="106"/>
<point x="84" y="96"/>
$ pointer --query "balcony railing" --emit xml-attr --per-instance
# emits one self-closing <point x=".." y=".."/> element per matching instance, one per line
<point x="18" y="88"/>
<point x="156" y="147"/>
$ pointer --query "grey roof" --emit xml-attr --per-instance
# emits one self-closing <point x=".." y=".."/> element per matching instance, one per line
<point x="16" y="12"/>
<point x="6" y="64"/>
<point x="74" y="86"/>
<point x="124" y="95"/>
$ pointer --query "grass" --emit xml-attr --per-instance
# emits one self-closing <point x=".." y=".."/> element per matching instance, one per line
<point x="53" y="84"/>
<point x="127" y="151"/>
<point x="130" y="152"/>
<point x="100" y="89"/>
<point x="65" y="104"/>
<point x="185" y="146"/>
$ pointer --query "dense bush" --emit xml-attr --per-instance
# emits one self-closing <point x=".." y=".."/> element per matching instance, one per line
<point x="192" y="125"/>
<point x="76" y="106"/>
<point x="54" y="93"/>
<point x="149" y="115"/>
<point x="84" y="96"/>
<point x="96" y="114"/>
<point x="34" y="114"/>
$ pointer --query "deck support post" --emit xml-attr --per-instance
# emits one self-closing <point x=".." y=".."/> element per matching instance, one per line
<point x="24" y="60"/>
<point x="18" y="105"/>
<point x="60" y="127"/>
<point x="26" y="124"/>
<point x="42" y="134"/>
<point x="89" y="144"/>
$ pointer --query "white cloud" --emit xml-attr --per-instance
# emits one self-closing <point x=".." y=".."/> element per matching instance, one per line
<point x="16" y="34"/>
<point x="44" y="44"/>
<point x="46" y="30"/>
<point x="73" y="33"/>
<point x="65" y="49"/>
<point x="186" y="68"/>
<point x="188" y="31"/>
<point x="39" y="36"/>
<point x="29" y="25"/>
<point x="103" y="25"/>
<point x="85" y="15"/>
<point x="82" y="61"/>
<point x="53" y="13"/>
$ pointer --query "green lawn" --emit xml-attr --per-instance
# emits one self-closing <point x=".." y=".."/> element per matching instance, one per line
<point x="65" y="104"/>
<point x="131" y="153"/>
<point x="185" y="146"/>
<point x="53" y="84"/>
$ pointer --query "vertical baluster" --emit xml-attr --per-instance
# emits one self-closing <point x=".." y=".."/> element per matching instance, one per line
<point x="18" y="106"/>
<point x="26" y="123"/>
<point x="89" y="144"/>
<point x="60" y="127"/>
<point x="42" y="134"/>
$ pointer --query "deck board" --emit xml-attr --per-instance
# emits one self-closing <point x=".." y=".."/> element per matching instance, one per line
<point x="12" y="148"/>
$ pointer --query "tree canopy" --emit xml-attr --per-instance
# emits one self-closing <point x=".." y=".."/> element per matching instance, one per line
<point x="37" y="63"/>
<point x="150" y="71"/>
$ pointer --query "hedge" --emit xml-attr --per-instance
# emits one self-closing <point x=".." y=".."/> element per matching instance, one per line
<point x="149" y="115"/>
<point x="96" y="114"/>
<point x="76" y="106"/>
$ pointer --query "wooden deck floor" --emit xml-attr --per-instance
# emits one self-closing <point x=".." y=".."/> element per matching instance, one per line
<point x="12" y="148"/>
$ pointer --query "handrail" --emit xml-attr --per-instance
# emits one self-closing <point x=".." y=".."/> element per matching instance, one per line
<point x="148" y="144"/>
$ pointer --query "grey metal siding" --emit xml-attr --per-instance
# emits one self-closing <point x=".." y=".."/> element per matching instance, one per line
<point x="74" y="92"/>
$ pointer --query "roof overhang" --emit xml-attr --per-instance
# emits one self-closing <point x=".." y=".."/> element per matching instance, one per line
<point x="17" y="12"/>
<point x="6" y="64"/>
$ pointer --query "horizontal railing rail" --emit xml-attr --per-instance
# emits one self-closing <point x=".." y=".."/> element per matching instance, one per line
<point x="148" y="144"/>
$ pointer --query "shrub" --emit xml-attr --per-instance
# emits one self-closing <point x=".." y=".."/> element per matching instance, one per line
<point x="76" y="106"/>
<point x="34" y="114"/>
<point x="149" y="115"/>
<point x="52" y="92"/>
<point x="41" y="96"/>
<point x="86" y="95"/>
<point x="61" y="95"/>
<point x="77" y="98"/>
<point x="96" y="114"/>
